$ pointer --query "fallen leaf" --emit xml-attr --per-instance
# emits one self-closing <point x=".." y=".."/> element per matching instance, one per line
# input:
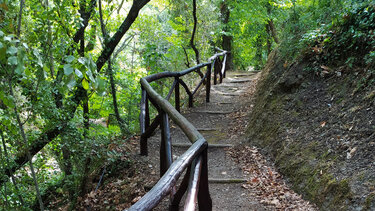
<point x="322" y="124"/>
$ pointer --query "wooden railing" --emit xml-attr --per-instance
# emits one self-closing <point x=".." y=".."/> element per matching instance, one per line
<point x="194" y="160"/>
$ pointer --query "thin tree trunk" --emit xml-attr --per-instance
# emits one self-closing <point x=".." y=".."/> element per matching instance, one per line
<point x="6" y="204"/>
<point x="258" y="54"/>
<point x="192" y="44"/>
<point x="41" y="206"/>
<point x="20" y="125"/>
<point x="49" y="43"/>
<point x="120" y="121"/>
<point x="187" y="63"/>
<point x="271" y="30"/>
<point x="22" y="3"/>
<point x="86" y="114"/>
<point x="11" y="173"/>
<point x="226" y="39"/>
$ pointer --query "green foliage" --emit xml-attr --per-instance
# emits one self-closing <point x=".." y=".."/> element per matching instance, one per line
<point x="48" y="69"/>
<point x="348" y="41"/>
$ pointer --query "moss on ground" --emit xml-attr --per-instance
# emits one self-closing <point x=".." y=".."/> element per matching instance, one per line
<point x="306" y="164"/>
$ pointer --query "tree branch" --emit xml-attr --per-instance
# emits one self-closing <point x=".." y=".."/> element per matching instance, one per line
<point x="116" y="38"/>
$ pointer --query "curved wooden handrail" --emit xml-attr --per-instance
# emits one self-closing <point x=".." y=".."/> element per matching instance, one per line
<point x="195" y="158"/>
<point x="190" y="131"/>
<point x="164" y="186"/>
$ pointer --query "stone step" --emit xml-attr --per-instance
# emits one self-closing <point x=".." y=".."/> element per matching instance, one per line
<point x="226" y="181"/>
<point x="240" y="81"/>
<point x="209" y="145"/>
<point x="214" y="112"/>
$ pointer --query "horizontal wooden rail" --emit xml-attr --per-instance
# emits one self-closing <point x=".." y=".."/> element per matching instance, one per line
<point x="194" y="160"/>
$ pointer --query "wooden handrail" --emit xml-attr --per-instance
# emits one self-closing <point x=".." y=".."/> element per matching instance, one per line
<point x="192" y="194"/>
<point x="165" y="184"/>
<point x="195" y="158"/>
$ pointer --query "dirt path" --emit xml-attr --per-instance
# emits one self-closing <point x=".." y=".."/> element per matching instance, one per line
<point x="240" y="177"/>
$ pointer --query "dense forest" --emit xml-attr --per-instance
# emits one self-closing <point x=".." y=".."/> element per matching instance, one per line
<point x="70" y="70"/>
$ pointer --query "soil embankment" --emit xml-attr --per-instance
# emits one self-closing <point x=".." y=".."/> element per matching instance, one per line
<point x="320" y="130"/>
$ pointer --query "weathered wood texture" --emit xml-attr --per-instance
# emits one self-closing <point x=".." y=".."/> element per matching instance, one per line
<point x="194" y="159"/>
<point x="168" y="181"/>
<point x="192" y="194"/>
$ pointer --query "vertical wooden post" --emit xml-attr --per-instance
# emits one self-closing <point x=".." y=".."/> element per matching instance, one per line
<point x="215" y="71"/>
<point x="190" y="100"/>
<point x="165" y="145"/>
<point x="143" y="122"/>
<point x="177" y="95"/>
<point x="204" y="198"/>
<point x="225" y="65"/>
<point x="147" y="116"/>
<point x="181" y="191"/>
<point x="208" y="83"/>
<point x="220" y="65"/>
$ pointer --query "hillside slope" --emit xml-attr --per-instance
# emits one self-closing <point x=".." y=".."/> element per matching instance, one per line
<point x="320" y="129"/>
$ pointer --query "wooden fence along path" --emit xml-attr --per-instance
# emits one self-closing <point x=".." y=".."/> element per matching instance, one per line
<point x="194" y="160"/>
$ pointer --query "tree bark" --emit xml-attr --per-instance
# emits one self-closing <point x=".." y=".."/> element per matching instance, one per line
<point x="271" y="30"/>
<point x="11" y="173"/>
<point x="120" y="121"/>
<point x="192" y="44"/>
<point x="116" y="38"/>
<point x="23" y="135"/>
<point x="226" y="39"/>
<point x="258" y="53"/>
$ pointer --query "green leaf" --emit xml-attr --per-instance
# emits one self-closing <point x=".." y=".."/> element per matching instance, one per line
<point x="92" y="65"/>
<point x="91" y="77"/>
<point x="3" y="54"/>
<point x="1" y="45"/>
<point x="39" y="58"/>
<point x="82" y="60"/>
<point x="71" y="84"/>
<point x="46" y="69"/>
<point x="27" y="72"/>
<point x="101" y="87"/>
<point x="68" y="69"/>
<point x="12" y="50"/>
<point x="8" y="101"/>
<point x="85" y="84"/>
<point x="20" y="69"/>
<point x="69" y="59"/>
<point x="12" y="60"/>
<point x="1" y="33"/>
<point x="8" y="38"/>
<point x="78" y="73"/>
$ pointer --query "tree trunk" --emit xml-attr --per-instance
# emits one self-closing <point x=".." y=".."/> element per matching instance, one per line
<point x="124" y="130"/>
<point x="192" y="44"/>
<point x="226" y="38"/>
<point x="121" y="122"/>
<point x="26" y="144"/>
<point x="116" y="38"/>
<point x="13" y="179"/>
<point x="258" y="54"/>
